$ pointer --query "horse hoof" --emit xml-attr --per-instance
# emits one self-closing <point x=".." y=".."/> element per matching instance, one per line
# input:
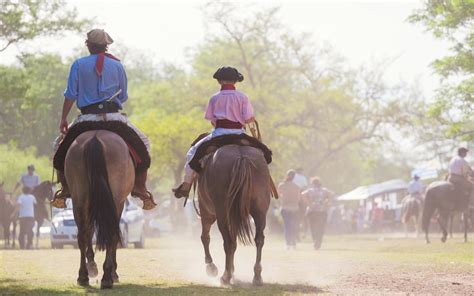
<point x="106" y="284"/>
<point x="211" y="270"/>
<point x="83" y="282"/>
<point x="428" y="242"/>
<point x="115" y="277"/>
<point x="225" y="281"/>
<point x="443" y="239"/>
<point x="92" y="269"/>
<point x="257" y="281"/>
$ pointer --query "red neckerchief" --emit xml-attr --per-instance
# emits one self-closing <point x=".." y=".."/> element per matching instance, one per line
<point x="228" y="87"/>
<point x="99" y="63"/>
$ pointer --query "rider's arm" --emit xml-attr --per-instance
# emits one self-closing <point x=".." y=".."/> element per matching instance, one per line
<point x="248" y="112"/>
<point x="18" y="184"/>
<point x="70" y="95"/>
<point x="66" y="109"/>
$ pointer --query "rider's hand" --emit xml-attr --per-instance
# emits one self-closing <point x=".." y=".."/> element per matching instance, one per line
<point x="63" y="127"/>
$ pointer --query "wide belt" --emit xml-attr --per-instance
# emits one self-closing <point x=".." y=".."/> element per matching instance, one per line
<point x="101" y="108"/>
<point x="227" y="124"/>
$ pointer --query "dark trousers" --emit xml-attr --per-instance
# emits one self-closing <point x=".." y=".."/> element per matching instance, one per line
<point x="291" y="223"/>
<point x="26" y="231"/>
<point x="317" y="224"/>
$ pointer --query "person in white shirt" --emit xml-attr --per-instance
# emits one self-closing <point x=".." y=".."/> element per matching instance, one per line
<point x="300" y="179"/>
<point x="459" y="172"/>
<point x="26" y="213"/>
<point x="415" y="188"/>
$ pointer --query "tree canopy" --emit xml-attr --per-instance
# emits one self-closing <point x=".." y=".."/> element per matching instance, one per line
<point x="454" y="22"/>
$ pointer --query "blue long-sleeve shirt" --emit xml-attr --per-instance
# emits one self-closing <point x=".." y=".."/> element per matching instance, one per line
<point x="86" y="88"/>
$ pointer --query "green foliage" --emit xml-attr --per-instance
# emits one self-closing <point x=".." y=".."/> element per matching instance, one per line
<point x="13" y="163"/>
<point x="453" y="21"/>
<point x="22" y="20"/>
<point x="314" y="111"/>
<point x="33" y="96"/>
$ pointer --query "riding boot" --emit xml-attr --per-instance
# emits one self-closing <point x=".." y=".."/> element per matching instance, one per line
<point x="141" y="192"/>
<point x="59" y="200"/>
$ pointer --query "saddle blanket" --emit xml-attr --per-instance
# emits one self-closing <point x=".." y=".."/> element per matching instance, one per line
<point x="219" y="141"/>
<point x="138" y="149"/>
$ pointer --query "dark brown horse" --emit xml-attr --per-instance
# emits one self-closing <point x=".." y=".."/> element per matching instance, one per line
<point x="43" y="194"/>
<point x="443" y="198"/>
<point x="100" y="174"/>
<point x="7" y="217"/>
<point x="234" y="187"/>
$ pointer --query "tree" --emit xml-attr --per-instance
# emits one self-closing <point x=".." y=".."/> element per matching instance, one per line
<point x="314" y="112"/>
<point x="22" y="20"/>
<point x="452" y="21"/>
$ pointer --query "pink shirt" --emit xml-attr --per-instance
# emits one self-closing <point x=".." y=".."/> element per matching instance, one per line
<point x="229" y="104"/>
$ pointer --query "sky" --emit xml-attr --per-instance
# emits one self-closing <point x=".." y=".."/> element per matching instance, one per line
<point x="362" y="31"/>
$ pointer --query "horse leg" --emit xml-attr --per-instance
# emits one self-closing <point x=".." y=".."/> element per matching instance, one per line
<point x="115" y="276"/>
<point x="91" y="265"/>
<point x="39" y="223"/>
<point x="466" y="225"/>
<point x="230" y="245"/>
<point x="406" y="228"/>
<point x="206" y="222"/>
<point x="260" y="222"/>
<point x="451" y="222"/>
<point x="83" y="279"/>
<point x="107" y="281"/>
<point x="14" y="234"/>
<point x="442" y="221"/>
<point x="417" y="225"/>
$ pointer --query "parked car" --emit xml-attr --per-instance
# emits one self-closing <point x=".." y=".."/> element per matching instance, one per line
<point x="64" y="229"/>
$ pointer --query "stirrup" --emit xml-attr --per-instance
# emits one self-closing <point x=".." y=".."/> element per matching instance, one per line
<point x="148" y="202"/>
<point x="59" y="200"/>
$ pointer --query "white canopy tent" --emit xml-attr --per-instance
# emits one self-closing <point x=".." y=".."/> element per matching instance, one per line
<point x="365" y="192"/>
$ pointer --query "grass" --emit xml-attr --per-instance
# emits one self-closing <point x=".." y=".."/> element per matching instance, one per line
<point x="175" y="266"/>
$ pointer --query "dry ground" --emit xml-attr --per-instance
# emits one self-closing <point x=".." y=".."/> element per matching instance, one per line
<point x="346" y="265"/>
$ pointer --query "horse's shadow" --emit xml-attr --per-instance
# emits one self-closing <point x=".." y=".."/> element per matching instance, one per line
<point x="10" y="286"/>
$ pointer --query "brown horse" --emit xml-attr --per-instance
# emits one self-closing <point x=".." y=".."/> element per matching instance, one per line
<point x="7" y="216"/>
<point x="43" y="193"/>
<point x="411" y="211"/>
<point x="100" y="174"/>
<point x="442" y="197"/>
<point x="234" y="186"/>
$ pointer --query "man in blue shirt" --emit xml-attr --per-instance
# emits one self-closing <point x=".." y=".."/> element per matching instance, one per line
<point x="97" y="84"/>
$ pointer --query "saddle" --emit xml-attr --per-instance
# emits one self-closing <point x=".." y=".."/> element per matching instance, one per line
<point x="136" y="146"/>
<point x="217" y="142"/>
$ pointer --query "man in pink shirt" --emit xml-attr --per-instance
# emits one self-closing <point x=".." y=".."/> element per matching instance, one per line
<point x="228" y="111"/>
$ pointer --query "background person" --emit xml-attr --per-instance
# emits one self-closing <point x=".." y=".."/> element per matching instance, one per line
<point x="290" y="196"/>
<point x="26" y="213"/>
<point x="317" y="200"/>
<point x="459" y="171"/>
<point x="415" y="188"/>
<point x="29" y="179"/>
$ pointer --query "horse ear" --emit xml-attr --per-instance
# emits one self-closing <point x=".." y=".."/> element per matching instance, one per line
<point x="3" y="182"/>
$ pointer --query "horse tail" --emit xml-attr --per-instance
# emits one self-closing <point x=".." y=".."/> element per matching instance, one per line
<point x="428" y="208"/>
<point x="239" y="196"/>
<point x="102" y="209"/>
